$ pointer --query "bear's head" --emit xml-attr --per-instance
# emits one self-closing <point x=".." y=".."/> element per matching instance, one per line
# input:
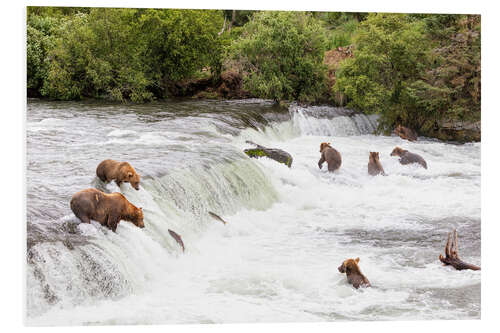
<point x="349" y="266"/>
<point x="398" y="151"/>
<point x="374" y="156"/>
<point x="398" y="129"/>
<point x="134" y="179"/>
<point x="137" y="217"/>
<point x="323" y="146"/>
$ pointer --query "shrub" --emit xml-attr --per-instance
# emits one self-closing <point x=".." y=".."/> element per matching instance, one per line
<point x="39" y="40"/>
<point x="281" y="54"/>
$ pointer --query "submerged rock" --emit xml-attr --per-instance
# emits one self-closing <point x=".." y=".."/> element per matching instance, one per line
<point x="278" y="155"/>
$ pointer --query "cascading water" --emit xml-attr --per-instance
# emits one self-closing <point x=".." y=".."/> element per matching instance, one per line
<point x="287" y="231"/>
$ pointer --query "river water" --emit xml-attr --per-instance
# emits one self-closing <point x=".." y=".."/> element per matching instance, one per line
<point x="288" y="228"/>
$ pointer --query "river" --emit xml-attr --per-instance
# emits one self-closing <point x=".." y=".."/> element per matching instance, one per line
<point x="288" y="228"/>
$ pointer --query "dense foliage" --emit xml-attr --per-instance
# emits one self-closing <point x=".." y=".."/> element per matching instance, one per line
<point x="281" y="54"/>
<point x="121" y="54"/>
<point x="419" y="70"/>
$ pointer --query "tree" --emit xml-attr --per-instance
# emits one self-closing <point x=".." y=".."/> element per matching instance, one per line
<point x="39" y="40"/>
<point x="390" y="57"/>
<point x="96" y="56"/>
<point x="281" y="55"/>
<point x="177" y="43"/>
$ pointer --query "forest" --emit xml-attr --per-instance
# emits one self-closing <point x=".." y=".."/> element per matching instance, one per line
<point x="418" y="70"/>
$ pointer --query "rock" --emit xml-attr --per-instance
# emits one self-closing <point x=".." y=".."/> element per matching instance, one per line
<point x="459" y="131"/>
<point x="278" y="155"/>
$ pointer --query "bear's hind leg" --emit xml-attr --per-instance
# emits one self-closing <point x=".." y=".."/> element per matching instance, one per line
<point x="83" y="218"/>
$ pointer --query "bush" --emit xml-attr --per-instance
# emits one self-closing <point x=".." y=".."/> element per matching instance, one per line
<point x="39" y="40"/>
<point x="417" y="70"/>
<point x="178" y="43"/>
<point x="281" y="55"/>
<point x="391" y="55"/>
<point x="130" y="54"/>
<point x="95" y="56"/>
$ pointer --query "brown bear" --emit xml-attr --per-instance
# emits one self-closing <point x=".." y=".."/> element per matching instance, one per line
<point x="107" y="209"/>
<point x="407" y="158"/>
<point x="354" y="275"/>
<point x="374" y="165"/>
<point x="109" y="170"/>
<point x="406" y="133"/>
<point x="330" y="155"/>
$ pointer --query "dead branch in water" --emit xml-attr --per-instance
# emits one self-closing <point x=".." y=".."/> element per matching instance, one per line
<point x="451" y="253"/>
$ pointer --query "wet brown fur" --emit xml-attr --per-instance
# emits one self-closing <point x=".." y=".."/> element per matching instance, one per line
<point x="405" y="133"/>
<point x="408" y="158"/>
<point x="374" y="165"/>
<point x="354" y="275"/>
<point x="107" y="209"/>
<point x="330" y="156"/>
<point x="120" y="172"/>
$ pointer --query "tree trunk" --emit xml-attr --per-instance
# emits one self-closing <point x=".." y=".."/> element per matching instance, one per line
<point x="233" y="18"/>
<point x="451" y="252"/>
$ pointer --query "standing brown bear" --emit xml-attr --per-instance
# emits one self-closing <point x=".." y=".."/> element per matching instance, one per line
<point x="330" y="155"/>
<point x="406" y="133"/>
<point x="408" y="158"/>
<point x="354" y="275"/>
<point x="109" y="170"/>
<point x="374" y="165"/>
<point x="107" y="209"/>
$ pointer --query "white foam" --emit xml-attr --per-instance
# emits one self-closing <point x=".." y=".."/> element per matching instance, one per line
<point x="288" y="230"/>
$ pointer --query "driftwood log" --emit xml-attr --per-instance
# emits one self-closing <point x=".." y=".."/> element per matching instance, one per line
<point x="278" y="155"/>
<point x="451" y="253"/>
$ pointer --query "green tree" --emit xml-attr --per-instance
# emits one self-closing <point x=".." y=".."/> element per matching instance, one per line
<point x="281" y="55"/>
<point x="385" y="74"/>
<point x="178" y="43"/>
<point x="39" y="40"/>
<point x="417" y="70"/>
<point x="96" y="56"/>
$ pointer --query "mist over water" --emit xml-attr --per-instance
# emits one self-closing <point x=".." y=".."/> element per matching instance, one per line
<point x="288" y="228"/>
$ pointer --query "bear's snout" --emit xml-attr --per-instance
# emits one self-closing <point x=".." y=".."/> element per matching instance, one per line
<point x="341" y="269"/>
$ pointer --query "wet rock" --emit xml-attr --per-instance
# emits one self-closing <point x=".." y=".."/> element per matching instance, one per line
<point x="459" y="131"/>
<point x="278" y="155"/>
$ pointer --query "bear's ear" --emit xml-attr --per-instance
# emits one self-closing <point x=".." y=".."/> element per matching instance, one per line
<point x="129" y="174"/>
<point x="356" y="260"/>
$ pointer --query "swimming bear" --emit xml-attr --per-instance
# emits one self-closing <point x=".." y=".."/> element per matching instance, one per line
<point x="330" y="155"/>
<point x="374" y="165"/>
<point x="354" y="275"/>
<point x="407" y="158"/>
<point x="107" y="209"/>
<point x="109" y="170"/>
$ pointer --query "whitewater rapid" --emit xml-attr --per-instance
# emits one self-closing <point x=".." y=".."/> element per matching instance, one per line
<point x="288" y="228"/>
